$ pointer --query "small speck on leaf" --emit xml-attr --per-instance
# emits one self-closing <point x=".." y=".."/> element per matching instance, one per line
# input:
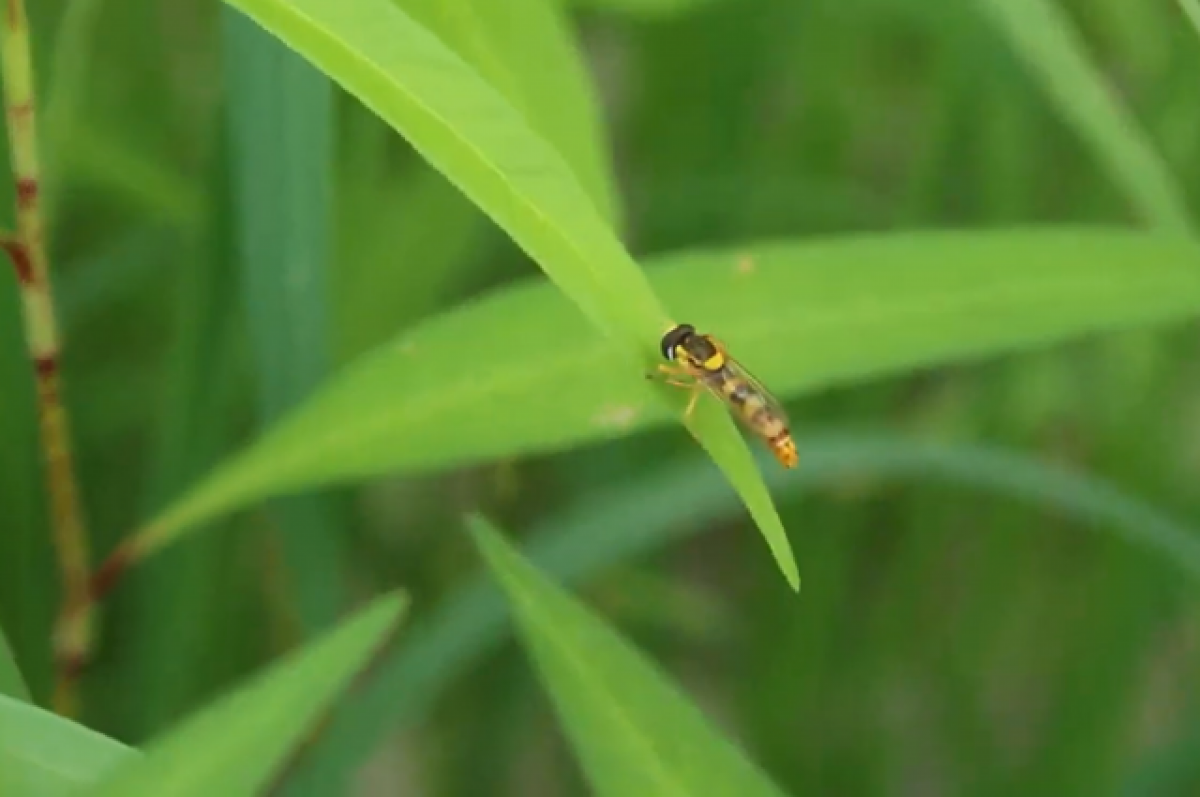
<point x="621" y="417"/>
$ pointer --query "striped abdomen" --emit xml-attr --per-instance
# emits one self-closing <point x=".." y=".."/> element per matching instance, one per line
<point x="755" y="410"/>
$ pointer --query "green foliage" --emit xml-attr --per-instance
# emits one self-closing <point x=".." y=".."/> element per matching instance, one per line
<point x="298" y="331"/>
<point x="633" y="731"/>
<point x="280" y="120"/>
<point x="235" y="745"/>
<point x="238" y="744"/>
<point x="875" y="305"/>
<point x="1044" y="37"/>
<point x="12" y="683"/>
<point x="484" y="146"/>
<point x="44" y="755"/>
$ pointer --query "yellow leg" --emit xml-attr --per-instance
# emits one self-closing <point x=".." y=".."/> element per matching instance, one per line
<point x="674" y="376"/>
<point x="696" y="391"/>
<point x="692" y="384"/>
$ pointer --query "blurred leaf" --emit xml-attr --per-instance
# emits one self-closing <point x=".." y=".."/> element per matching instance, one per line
<point x="44" y="755"/>
<point x="424" y="218"/>
<point x="647" y="512"/>
<point x="643" y="9"/>
<point x="280" y="125"/>
<point x="1043" y="36"/>
<point x="801" y="316"/>
<point x="187" y="605"/>
<point x="237" y="744"/>
<point x="633" y="730"/>
<point x="1191" y="9"/>
<point x="467" y="131"/>
<point x="11" y="682"/>
<point x="95" y="284"/>
<point x="525" y="49"/>
<point x="1174" y="770"/>
<point x="28" y="580"/>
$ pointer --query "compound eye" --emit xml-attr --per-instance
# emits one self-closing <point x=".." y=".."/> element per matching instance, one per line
<point x="673" y="338"/>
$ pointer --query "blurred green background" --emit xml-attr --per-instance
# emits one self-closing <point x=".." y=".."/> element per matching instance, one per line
<point x="967" y="624"/>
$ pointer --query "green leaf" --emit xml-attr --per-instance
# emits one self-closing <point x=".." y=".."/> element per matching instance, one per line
<point x="465" y="128"/>
<point x="525" y="50"/>
<point x="1043" y="36"/>
<point x="280" y="127"/>
<point x="801" y="316"/>
<point x="45" y="755"/>
<point x="11" y="682"/>
<point x="633" y="730"/>
<point x="1191" y="9"/>
<point x="237" y="744"/>
<point x="419" y="214"/>
<point x="467" y="131"/>
<point x="684" y="498"/>
<point x="643" y="9"/>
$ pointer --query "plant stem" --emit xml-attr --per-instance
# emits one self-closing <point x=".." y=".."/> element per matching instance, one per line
<point x="27" y="251"/>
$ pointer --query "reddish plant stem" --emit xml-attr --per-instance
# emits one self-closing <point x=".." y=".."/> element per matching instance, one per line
<point x="27" y="252"/>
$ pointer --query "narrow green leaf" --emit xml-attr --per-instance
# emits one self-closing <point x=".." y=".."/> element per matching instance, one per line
<point x="525" y="50"/>
<point x="11" y="681"/>
<point x="28" y="581"/>
<point x="643" y="9"/>
<point x="467" y="131"/>
<point x="686" y="497"/>
<point x="237" y="744"/>
<point x="45" y="755"/>
<point x="1043" y="36"/>
<point x="1191" y="9"/>
<point x="801" y="316"/>
<point x="280" y="127"/>
<point x="633" y="730"/>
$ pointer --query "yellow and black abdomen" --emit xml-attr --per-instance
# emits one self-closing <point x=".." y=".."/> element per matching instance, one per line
<point x="755" y="410"/>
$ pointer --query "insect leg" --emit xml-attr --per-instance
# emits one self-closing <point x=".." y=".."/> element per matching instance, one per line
<point x="676" y="376"/>
<point x="697" y="389"/>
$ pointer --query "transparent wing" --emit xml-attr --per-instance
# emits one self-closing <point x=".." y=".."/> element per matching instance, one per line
<point x="741" y="372"/>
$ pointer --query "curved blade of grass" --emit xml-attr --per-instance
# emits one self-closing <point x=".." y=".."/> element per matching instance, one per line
<point x="11" y="681"/>
<point x="45" y="755"/>
<point x="525" y="50"/>
<point x="237" y="744"/>
<point x="682" y="499"/>
<point x="1043" y="36"/>
<point x="280" y="128"/>
<point x="1191" y="9"/>
<point x="873" y="306"/>
<point x="461" y="125"/>
<point x="643" y="9"/>
<point x="466" y="130"/>
<point x="633" y="730"/>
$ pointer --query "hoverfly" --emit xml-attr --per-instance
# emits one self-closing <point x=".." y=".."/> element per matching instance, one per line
<point x="700" y="361"/>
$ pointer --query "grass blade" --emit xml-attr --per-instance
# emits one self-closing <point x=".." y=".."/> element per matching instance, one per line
<point x="1191" y="9"/>
<point x="633" y="730"/>
<point x="11" y="681"/>
<point x="237" y="744"/>
<point x="600" y="534"/>
<point x="466" y="130"/>
<point x="45" y="755"/>
<point x="878" y="305"/>
<point x="280" y="125"/>
<point x="1043" y="36"/>
<point x="27" y="579"/>
<point x="525" y="50"/>
<point x="643" y="9"/>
